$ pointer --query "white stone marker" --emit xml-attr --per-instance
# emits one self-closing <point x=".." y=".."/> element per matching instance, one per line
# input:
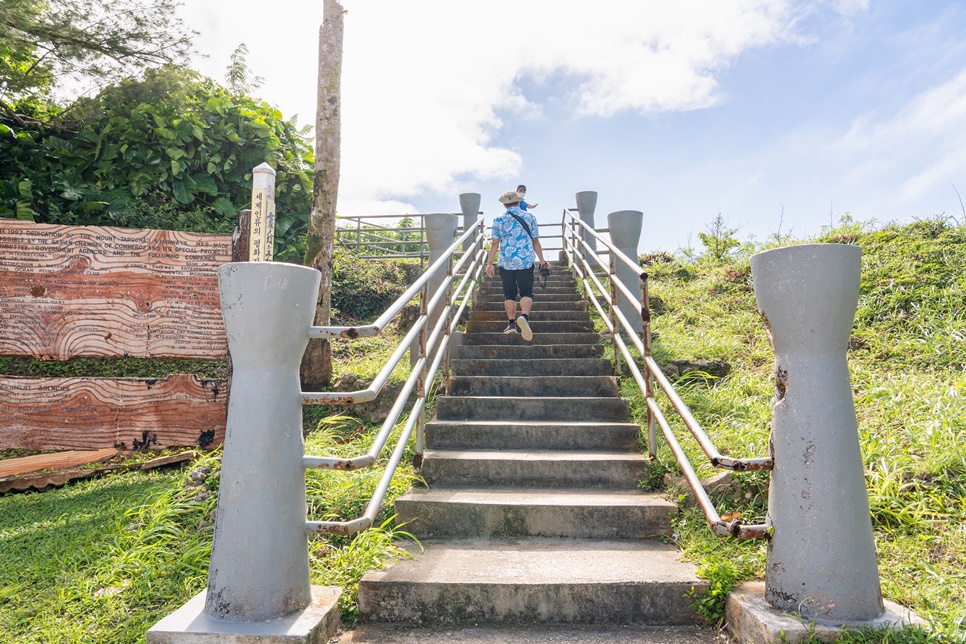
<point x="261" y="239"/>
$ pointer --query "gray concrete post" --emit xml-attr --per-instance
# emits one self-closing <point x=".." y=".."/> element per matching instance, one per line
<point x="625" y="233"/>
<point x="586" y="205"/>
<point x="470" y="205"/>
<point x="821" y="561"/>
<point x="440" y="231"/>
<point x="259" y="559"/>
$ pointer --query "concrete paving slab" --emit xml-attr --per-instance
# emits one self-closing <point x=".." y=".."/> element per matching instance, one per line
<point x="534" y="580"/>
<point x="543" y="634"/>
<point x="519" y="512"/>
<point x="191" y="625"/>
<point x="752" y="620"/>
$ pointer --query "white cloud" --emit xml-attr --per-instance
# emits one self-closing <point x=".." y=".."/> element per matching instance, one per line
<point x="931" y="126"/>
<point x="425" y="83"/>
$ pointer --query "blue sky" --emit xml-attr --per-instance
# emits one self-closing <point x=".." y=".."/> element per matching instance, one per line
<point x="773" y="113"/>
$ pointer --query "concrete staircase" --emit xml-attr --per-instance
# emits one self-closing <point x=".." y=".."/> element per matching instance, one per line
<point x="532" y="512"/>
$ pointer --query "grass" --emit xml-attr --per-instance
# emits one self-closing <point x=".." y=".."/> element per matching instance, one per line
<point x="907" y="358"/>
<point x="104" y="559"/>
<point x="111" y="368"/>
<point x="97" y="561"/>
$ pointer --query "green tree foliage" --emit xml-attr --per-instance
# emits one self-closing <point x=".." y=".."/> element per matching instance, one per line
<point x="171" y="150"/>
<point x="42" y="41"/>
<point x="239" y="76"/>
<point x="719" y="240"/>
<point x="363" y="288"/>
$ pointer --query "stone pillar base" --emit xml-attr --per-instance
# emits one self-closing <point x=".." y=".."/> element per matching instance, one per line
<point x="317" y="624"/>
<point x="752" y="620"/>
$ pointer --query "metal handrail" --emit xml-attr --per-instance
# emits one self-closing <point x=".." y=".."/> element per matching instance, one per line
<point x="579" y="255"/>
<point x="435" y="342"/>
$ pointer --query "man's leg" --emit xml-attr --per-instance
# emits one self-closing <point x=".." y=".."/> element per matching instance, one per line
<point x="525" y="304"/>
<point x="509" y="299"/>
<point x="525" y="282"/>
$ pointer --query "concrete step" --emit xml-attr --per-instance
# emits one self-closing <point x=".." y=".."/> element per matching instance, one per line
<point x="561" y="295"/>
<point x="554" y="278"/>
<point x="527" y="581"/>
<point x="538" y="338"/>
<point x="535" y="468"/>
<point x="545" y="316"/>
<point x="537" y="386"/>
<point x="537" y="324"/>
<point x="533" y="367"/>
<point x="528" y="409"/>
<point x="527" y="512"/>
<point x="564" y="435"/>
<point x="538" y="305"/>
<point x="383" y="632"/>
<point x="496" y="292"/>
<point x="523" y="351"/>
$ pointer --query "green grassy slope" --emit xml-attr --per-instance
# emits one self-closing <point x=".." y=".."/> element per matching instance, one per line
<point x="907" y="357"/>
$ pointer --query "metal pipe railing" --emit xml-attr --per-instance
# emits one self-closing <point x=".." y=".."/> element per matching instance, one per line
<point x="433" y="342"/>
<point x="580" y="254"/>
<point x="370" y="330"/>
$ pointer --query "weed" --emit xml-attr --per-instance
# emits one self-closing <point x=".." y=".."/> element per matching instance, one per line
<point x="710" y="603"/>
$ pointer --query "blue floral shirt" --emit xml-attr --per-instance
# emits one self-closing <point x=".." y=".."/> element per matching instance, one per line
<point x="516" y="248"/>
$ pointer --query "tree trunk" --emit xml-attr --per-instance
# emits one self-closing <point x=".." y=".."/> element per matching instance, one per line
<point x="316" y="368"/>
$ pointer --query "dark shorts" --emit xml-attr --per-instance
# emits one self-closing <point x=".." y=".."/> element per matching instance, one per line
<point x="514" y="280"/>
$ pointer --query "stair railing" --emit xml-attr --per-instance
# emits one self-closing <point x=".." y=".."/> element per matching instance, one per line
<point x="434" y="346"/>
<point x="586" y="264"/>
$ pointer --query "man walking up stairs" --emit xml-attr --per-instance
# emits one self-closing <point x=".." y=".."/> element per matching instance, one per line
<point x="532" y="514"/>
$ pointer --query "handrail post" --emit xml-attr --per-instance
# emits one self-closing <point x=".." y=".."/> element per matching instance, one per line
<point x="358" y="235"/>
<point x="424" y="296"/>
<point x="615" y="328"/>
<point x="447" y="335"/>
<point x="576" y="252"/>
<point x="586" y="205"/>
<point x="821" y="560"/>
<point x="422" y="244"/>
<point x="648" y="378"/>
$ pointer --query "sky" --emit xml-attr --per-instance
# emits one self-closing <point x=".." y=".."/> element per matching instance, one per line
<point x="781" y="116"/>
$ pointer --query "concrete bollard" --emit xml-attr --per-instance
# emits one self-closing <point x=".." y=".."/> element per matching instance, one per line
<point x="625" y="233"/>
<point x="259" y="560"/>
<point x="258" y="579"/>
<point x="586" y="205"/>
<point x="821" y="561"/>
<point x="440" y="231"/>
<point x="470" y="205"/>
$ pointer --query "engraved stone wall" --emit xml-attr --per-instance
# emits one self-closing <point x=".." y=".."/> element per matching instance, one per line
<point x="67" y="292"/>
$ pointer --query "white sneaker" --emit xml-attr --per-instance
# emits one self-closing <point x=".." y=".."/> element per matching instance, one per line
<point x="524" y="326"/>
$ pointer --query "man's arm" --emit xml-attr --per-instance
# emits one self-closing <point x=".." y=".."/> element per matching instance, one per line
<point x="494" y="247"/>
<point x="539" y="250"/>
